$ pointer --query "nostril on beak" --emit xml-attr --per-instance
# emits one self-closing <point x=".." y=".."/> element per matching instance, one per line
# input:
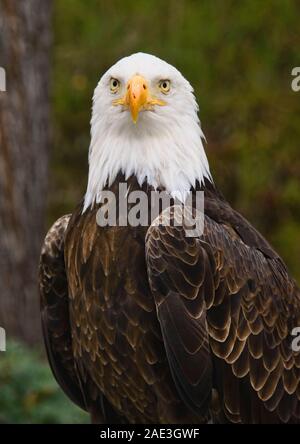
<point x="144" y="86"/>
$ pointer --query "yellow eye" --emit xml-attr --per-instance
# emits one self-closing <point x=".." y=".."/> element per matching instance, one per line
<point x="114" y="85"/>
<point x="164" y="86"/>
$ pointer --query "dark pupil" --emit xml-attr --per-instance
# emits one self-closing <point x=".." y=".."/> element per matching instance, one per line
<point x="165" y="85"/>
<point x="115" y="83"/>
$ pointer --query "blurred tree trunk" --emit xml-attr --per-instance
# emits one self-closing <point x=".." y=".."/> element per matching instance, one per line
<point x="25" y="40"/>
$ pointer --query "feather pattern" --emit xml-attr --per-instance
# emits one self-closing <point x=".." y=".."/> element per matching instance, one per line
<point x="208" y="338"/>
<point x="255" y="307"/>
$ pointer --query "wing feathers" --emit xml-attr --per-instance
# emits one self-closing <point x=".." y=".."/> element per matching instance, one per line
<point x="55" y="314"/>
<point x="226" y="304"/>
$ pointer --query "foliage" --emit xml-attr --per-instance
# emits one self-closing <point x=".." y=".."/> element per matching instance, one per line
<point x="29" y="393"/>
<point x="237" y="55"/>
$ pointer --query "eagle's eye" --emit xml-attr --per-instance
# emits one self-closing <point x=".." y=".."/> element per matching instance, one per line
<point x="114" y="85"/>
<point x="164" y="86"/>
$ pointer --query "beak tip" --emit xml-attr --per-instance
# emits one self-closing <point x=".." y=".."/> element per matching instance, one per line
<point x="134" y="119"/>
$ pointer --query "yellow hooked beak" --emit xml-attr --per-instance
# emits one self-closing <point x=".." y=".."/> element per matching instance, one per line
<point x="137" y="97"/>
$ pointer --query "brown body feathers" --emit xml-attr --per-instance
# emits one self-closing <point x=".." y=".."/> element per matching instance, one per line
<point x="146" y="325"/>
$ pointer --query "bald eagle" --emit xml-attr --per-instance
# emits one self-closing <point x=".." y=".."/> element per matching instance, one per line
<point x="144" y="324"/>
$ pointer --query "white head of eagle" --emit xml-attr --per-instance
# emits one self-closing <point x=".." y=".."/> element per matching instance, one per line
<point x="145" y="123"/>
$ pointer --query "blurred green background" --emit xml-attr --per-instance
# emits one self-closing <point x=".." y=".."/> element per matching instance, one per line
<point x="28" y="392"/>
<point x="239" y="57"/>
